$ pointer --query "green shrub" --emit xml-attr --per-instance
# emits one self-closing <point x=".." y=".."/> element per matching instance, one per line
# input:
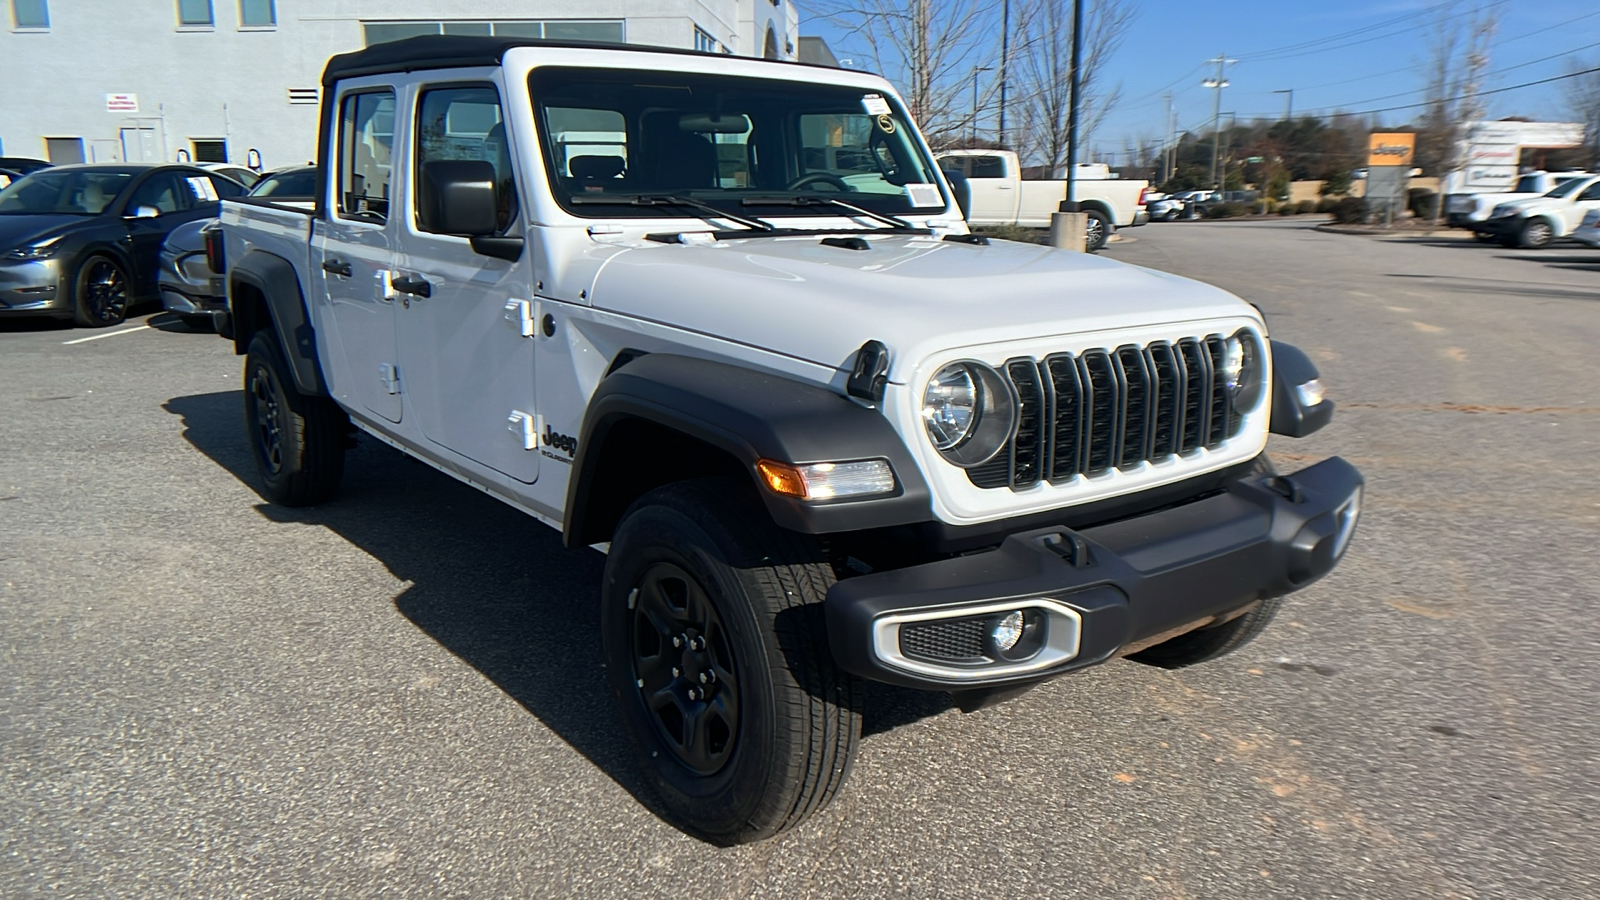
<point x="1226" y="210"/>
<point x="1261" y="207"/>
<point x="1306" y="206"/>
<point x="1288" y="209"/>
<point x="1350" y="211"/>
<point x="1327" y="204"/>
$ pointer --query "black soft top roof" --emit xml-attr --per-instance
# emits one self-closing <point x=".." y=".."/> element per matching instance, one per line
<point x="452" y="51"/>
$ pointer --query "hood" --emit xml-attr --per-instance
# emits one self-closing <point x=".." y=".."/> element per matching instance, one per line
<point x="919" y="295"/>
<point x="16" y="230"/>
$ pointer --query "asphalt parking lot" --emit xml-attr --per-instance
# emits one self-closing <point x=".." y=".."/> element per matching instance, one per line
<point x="399" y="694"/>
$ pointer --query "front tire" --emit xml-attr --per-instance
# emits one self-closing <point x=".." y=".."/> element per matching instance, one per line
<point x="1204" y="644"/>
<point x="100" y="292"/>
<point x="297" y="442"/>
<point x="1535" y="234"/>
<point x="716" y="651"/>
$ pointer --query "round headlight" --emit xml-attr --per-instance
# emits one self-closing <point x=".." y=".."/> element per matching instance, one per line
<point x="1241" y="369"/>
<point x="969" y="413"/>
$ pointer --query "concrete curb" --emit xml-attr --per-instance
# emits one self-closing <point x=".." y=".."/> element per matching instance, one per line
<point x="1375" y="231"/>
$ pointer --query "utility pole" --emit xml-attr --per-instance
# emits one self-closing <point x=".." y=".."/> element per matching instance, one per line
<point x="1217" y="84"/>
<point x="1169" y="154"/>
<point x="1288" y="104"/>
<point x="1005" y="59"/>
<point x="1072" y="109"/>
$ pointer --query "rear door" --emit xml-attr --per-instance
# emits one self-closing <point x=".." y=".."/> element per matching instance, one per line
<point x="468" y="346"/>
<point x="177" y="196"/>
<point x="354" y="246"/>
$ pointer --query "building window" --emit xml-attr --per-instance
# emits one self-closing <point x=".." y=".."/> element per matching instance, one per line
<point x="30" y="13"/>
<point x="554" y="30"/>
<point x="210" y="151"/>
<point x="703" y="41"/>
<point x="63" y="151"/>
<point x="257" y="13"/>
<point x="195" y="12"/>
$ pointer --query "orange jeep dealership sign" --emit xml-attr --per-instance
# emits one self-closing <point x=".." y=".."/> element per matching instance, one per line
<point x="1391" y="149"/>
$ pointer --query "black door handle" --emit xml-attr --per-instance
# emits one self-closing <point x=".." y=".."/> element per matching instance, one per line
<point x="336" y="267"/>
<point x="415" y="285"/>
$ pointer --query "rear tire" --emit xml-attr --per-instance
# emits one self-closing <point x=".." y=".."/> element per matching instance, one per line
<point x="100" y="292"/>
<point x="1097" y="232"/>
<point x="1204" y="644"/>
<point x="297" y="441"/>
<point x="747" y="728"/>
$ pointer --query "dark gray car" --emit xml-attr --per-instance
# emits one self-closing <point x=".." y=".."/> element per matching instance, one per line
<point x="84" y="242"/>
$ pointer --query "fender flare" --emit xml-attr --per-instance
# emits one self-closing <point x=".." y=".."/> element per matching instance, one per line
<point x="751" y="416"/>
<point x="276" y="279"/>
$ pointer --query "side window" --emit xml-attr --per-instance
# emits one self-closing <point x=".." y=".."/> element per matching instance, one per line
<point x="987" y="167"/>
<point x="366" y="139"/>
<point x="225" y="187"/>
<point x="460" y="123"/>
<point x="162" y="191"/>
<point x="1592" y="192"/>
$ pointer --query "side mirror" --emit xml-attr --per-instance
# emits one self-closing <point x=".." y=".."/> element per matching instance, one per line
<point x="146" y="212"/>
<point x="961" y="189"/>
<point x="457" y="196"/>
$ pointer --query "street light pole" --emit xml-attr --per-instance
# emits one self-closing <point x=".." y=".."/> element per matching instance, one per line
<point x="1005" y="59"/>
<point x="1071" y="204"/>
<point x="972" y="129"/>
<point x="1288" y="104"/>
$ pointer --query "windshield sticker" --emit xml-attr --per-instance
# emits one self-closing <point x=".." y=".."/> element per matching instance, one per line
<point x="202" y="187"/>
<point x="875" y="105"/>
<point x="924" y="195"/>
<point x="886" y="124"/>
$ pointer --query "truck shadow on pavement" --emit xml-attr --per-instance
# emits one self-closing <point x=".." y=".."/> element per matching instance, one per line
<point x="491" y="585"/>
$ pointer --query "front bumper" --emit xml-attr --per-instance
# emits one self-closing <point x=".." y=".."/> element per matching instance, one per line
<point x="32" y="289"/>
<point x="1091" y="592"/>
<point x="1505" y="226"/>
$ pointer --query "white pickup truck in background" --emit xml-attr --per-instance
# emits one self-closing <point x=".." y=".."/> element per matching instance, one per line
<point x="1001" y="196"/>
<point x="1463" y="210"/>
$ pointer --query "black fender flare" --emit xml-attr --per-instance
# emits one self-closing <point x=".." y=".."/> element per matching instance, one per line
<point x="751" y="416"/>
<point x="1291" y="367"/>
<point x="276" y="279"/>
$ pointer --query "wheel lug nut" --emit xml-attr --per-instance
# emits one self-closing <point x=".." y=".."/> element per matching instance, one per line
<point x="697" y="644"/>
<point x="677" y="641"/>
<point x="675" y="672"/>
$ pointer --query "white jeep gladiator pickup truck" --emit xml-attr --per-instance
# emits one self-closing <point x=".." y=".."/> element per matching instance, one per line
<point x="722" y="319"/>
<point x="1001" y="196"/>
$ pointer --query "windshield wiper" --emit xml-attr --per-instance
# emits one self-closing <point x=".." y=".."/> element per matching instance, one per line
<point x="707" y="209"/>
<point x="892" y="221"/>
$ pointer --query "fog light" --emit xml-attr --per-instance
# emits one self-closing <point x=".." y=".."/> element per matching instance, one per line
<point x="1007" y="631"/>
<point x="1311" y="393"/>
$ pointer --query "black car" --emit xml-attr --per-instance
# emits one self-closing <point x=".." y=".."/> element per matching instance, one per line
<point x="84" y="242"/>
<point x="24" y="164"/>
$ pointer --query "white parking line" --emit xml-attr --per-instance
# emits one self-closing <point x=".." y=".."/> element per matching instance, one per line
<point x="96" y="337"/>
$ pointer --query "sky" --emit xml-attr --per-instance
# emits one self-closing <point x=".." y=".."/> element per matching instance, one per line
<point x="1352" y="55"/>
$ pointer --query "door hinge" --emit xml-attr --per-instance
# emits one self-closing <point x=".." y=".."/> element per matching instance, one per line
<point x="390" y="376"/>
<point x="523" y="425"/>
<point x="525" y="315"/>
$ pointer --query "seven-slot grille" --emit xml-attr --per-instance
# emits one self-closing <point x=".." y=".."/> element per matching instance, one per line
<point x="1088" y="413"/>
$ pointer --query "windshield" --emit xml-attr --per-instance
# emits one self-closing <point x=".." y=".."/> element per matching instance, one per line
<point x="1565" y="188"/>
<point x="289" y="183"/>
<point x="742" y="144"/>
<point x="75" y="192"/>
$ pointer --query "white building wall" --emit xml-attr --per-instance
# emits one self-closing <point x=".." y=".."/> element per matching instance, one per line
<point x="233" y="83"/>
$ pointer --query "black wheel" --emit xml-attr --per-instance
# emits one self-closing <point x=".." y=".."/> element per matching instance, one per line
<point x="1535" y="234"/>
<point x="716" y="652"/>
<point x="1097" y="232"/>
<point x="99" y="292"/>
<point x="297" y="442"/>
<point x="200" y="323"/>
<point x="1209" y="643"/>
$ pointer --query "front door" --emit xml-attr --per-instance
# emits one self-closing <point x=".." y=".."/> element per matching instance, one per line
<point x="355" y="249"/>
<point x="468" y="347"/>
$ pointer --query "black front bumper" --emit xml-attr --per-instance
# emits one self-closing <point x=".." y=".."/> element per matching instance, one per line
<point x="1263" y="536"/>
<point x="1505" y="226"/>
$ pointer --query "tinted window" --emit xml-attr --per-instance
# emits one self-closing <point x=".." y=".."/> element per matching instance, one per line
<point x="164" y="191"/>
<point x="292" y="183"/>
<point x="73" y="192"/>
<point x="464" y="123"/>
<point x="1592" y="192"/>
<point x="987" y="167"/>
<point x="366" y="139"/>
<point x="226" y="187"/>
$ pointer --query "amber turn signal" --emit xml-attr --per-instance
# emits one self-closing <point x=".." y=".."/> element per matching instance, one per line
<point x="782" y="478"/>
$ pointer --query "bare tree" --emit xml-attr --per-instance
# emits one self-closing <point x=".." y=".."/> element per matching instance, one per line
<point x="1582" y="91"/>
<point x="1457" y="63"/>
<point x="930" y="49"/>
<point x="1044" y="69"/>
